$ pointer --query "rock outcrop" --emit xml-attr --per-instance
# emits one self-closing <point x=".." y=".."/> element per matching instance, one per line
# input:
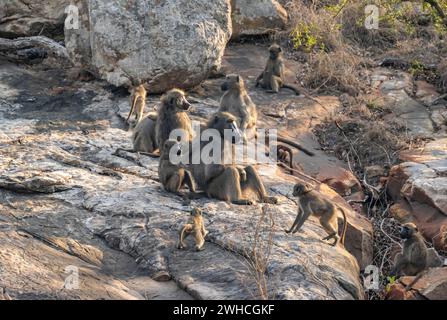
<point x="98" y="206"/>
<point x="175" y="43"/>
<point x="257" y="17"/>
<point x="20" y="18"/>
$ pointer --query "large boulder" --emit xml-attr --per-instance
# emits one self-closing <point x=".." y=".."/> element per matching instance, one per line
<point x="419" y="188"/>
<point x="20" y="18"/>
<point x="174" y="43"/>
<point x="257" y="17"/>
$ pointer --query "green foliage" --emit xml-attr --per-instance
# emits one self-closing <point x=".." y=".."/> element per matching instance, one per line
<point x="307" y="37"/>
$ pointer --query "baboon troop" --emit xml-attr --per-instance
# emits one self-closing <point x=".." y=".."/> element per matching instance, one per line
<point x="312" y="203"/>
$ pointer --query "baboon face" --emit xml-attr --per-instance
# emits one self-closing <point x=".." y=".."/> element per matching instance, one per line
<point x="275" y="51"/>
<point x="408" y="230"/>
<point x="223" y="121"/>
<point x="175" y="98"/>
<point x="299" y="189"/>
<point x="196" y="212"/>
<point x="232" y="81"/>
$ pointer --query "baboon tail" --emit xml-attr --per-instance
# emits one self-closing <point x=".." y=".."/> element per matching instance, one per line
<point x="345" y="226"/>
<point x="292" y="87"/>
<point x="132" y="108"/>
<point x="189" y="181"/>
<point x="296" y="145"/>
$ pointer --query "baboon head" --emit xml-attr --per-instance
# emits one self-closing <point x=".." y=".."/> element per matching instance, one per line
<point x="408" y="230"/>
<point x="196" y="212"/>
<point x="222" y="121"/>
<point x="233" y="82"/>
<point x="175" y="99"/>
<point x="275" y="51"/>
<point x="300" y="189"/>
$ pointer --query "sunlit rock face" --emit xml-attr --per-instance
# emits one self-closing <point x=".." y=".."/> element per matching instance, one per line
<point x="174" y="43"/>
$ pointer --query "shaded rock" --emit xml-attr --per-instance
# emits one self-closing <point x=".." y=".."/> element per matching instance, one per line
<point x="432" y="286"/>
<point x="257" y="17"/>
<point x="36" y="181"/>
<point x="169" y="44"/>
<point x="31" y="18"/>
<point x="420" y="191"/>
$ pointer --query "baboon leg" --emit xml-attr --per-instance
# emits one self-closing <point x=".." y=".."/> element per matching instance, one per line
<point x="200" y="241"/>
<point x="299" y="215"/>
<point x="305" y="213"/>
<point x="184" y="233"/>
<point x="189" y="180"/>
<point x="174" y="182"/>
<point x="399" y="263"/>
<point x="204" y="231"/>
<point x="254" y="183"/>
<point x="275" y="84"/>
<point x="331" y="231"/>
<point x="227" y="187"/>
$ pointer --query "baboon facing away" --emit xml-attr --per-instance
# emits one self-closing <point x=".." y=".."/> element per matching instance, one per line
<point x="172" y="115"/>
<point x="310" y="202"/>
<point x="236" y="101"/>
<point x="273" y="77"/>
<point x="194" y="226"/>
<point x="229" y="182"/>
<point x="413" y="258"/>
<point x="144" y="137"/>
<point x="137" y="103"/>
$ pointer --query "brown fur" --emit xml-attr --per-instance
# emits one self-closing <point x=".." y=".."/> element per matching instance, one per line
<point x="137" y="103"/>
<point x="194" y="226"/>
<point x="272" y="78"/>
<point x="310" y="202"/>
<point x="229" y="182"/>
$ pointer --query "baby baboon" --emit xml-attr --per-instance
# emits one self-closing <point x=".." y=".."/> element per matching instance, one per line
<point x="229" y="182"/>
<point x="413" y="258"/>
<point x="137" y="103"/>
<point x="310" y="202"/>
<point x="272" y="78"/>
<point x="195" y="225"/>
<point x="172" y="115"/>
<point x="172" y="176"/>
<point x="237" y="102"/>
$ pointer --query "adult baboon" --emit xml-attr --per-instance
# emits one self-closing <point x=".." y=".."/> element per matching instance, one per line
<point x="311" y="202"/>
<point x="236" y="101"/>
<point x="172" y="115"/>
<point x="228" y="182"/>
<point x="273" y="78"/>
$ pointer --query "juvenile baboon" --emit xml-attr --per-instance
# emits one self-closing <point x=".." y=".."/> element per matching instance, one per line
<point x="172" y="176"/>
<point x="137" y="103"/>
<point x="310" y="202"/>
<point x="195" y="225"/>
<point x="236" y="101"/>
<point x="172" y="115"/>
<point x="413" y="258"/>
<point x="229" y="182"/>
<point x="272" y="78"/>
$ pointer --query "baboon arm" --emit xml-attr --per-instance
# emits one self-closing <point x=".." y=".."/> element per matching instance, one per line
<point x="258" y="79"/>
<point x="306" y="212"/>
<point x="184" y="232"/>
<point x="132" y="108"/>
<point x="297" y="219"/>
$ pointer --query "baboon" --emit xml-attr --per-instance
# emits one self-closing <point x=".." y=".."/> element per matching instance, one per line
<point x="143" y="137"/>
<point x="272" y="78"/>
<point x="228" y="182"/>
<point x="195" y="225"/>
<point x="413" y="258"/>
<point x="310" y="202"/>
<point x="237" y="102"/>
<point x="172" y="115"/>
<point x="172" y="176"/>
<point x="137" y="103"/>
